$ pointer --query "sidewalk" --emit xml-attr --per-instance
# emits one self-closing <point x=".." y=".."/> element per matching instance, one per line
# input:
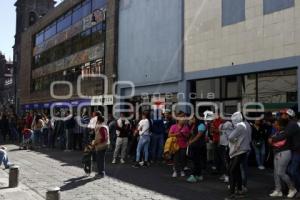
<point x="20" y="193"/>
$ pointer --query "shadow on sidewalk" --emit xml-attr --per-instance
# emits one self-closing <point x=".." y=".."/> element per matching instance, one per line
<point x="158" y="178"/>
<point x="75" y="183"/>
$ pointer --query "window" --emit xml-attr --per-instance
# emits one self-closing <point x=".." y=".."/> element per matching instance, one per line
<point x="86" y="39"/>
<point x="77" y="14"/>
<point x="86" y="8"/>
<point x="39" y="38"/>
<point x="233" y="11"/>
<point x="271" y="6"/>
<point x="99" y="4"/>
<point x="50" y="31"/>
<point x="64" y="22"/>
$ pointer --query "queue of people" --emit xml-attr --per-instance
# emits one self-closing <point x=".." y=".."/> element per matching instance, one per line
<point x="222" y="146"/>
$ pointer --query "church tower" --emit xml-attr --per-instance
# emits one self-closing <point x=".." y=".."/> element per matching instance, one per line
<point x="27" y="13"/>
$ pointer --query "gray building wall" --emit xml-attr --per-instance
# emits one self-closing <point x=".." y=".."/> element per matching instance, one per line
<point x="150" y="36"/>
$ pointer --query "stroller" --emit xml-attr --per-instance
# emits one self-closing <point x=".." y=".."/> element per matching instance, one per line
<point x="27" y="141"/>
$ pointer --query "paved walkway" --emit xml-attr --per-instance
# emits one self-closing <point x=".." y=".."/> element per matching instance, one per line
<point x="50" y="168"/>
<point x="39" y="172"/>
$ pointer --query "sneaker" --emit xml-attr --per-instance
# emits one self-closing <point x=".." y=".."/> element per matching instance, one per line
<point x="244" y="189"/>
<point x="114" y="161"/>
<point x="199" y="178"/>
<point x="261" y="168"/>
<point x="122" y="161"/>
<point x="214" y="168"/>
<point x="192" y="179"/>
<point x="186" y="168"/>
<point x="276" y="194"/>
<point x="136" y="165"/>
<point x="174" y="175"/>
<point x="141" y="163"/>
<point x="98" y="176"/>
<point x="226" y="179"/>
<point x="222" y="178"/>
<point x="231" y="197"/>
<point x="182" y="174"/>
<point x="292" y="193"/>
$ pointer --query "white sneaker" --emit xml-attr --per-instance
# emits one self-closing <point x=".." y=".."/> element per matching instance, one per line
<point x="226" y="179"/>
<point x="276" y="194"/>
<point x="186" y="168"/>
<point x="182" y="174"/>
<point x="292" y="193"/>
<point x="174" y="175"/>
<point x="261" y="168"/>
<point x="114" y="161"/>
<point x="122" y="161"/>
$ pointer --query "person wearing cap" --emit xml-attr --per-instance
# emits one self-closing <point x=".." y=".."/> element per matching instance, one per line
<point x="239" y="145"/>
<point x="293" y="137"/>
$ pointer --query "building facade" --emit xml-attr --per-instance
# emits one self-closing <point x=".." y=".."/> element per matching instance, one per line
<point x="242" y="51"/>
<point x="76" y="38"/>
<point x="28" y="12"/>
<point x="150" y="50"/>
<point x="6" y="83"/>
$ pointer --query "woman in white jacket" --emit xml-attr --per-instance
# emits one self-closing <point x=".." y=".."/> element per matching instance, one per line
<point x="239" y="145"/>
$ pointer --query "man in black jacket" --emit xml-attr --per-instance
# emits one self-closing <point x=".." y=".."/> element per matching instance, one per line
<point x="69" y="125"/>
<point x="293" y="134"/>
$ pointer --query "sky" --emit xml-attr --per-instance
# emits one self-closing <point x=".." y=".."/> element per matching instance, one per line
<point x="8" y="27"/>
<point x="7" y="30"/>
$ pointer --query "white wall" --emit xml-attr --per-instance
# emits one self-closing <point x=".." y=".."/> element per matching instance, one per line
<point x="259" y="38"/>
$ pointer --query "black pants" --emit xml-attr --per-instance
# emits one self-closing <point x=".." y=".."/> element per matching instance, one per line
<point x="77" y="141"/>
<point x="100" y="159"/>
<point x="196" y="158"/>
<point x="235" y="176"/>
<point x="224" y="155"/>
<point x="180" y="160"/>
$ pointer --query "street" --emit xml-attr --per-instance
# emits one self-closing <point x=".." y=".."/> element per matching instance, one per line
<point x="49" y="168"/>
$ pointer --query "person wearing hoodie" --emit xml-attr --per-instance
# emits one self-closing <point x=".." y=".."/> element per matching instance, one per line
<point x="225" y="130"/>
<point x="239" y="145"/>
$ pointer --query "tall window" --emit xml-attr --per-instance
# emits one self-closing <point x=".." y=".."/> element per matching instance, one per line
<point x="233" y="11"/>
<point x="271" y="6"/>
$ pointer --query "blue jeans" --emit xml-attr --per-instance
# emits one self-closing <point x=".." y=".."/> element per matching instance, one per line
<point x="143" y="145"/>
<point x="294" y="169"/>
<point x="37" y="137"/>
<point x="157" y="143"/>
<point x="260" y="154"/>
<point x="3" y="158"/>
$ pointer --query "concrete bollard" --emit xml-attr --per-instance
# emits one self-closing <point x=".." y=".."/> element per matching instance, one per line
<point x="13" y="176"/>
<point x="53" y="194"/>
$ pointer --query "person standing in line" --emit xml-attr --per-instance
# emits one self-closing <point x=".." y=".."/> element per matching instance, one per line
<point x="77" y="133"/>
<point x="244" y="165"/>
<point x="293" y="138"/>
<point x="4" y="127"/>
<point x="181" y="131"/>
<point x="197" y="145"/>
<point x="101" y="143"/>
<point x="69" y="127"/>
<point x="157" y="137"/>
<point x="259" y="137"/>
<point x="85" y="120"/>
<point x="122" y="131"/>
<point x="37" y="126"/>
<point x="239" y="145"/>
<point x="225" y="130"/>
<point x="217" y="161"/>
<point x="144" y="141"/>
<point x="282" y="157"/>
